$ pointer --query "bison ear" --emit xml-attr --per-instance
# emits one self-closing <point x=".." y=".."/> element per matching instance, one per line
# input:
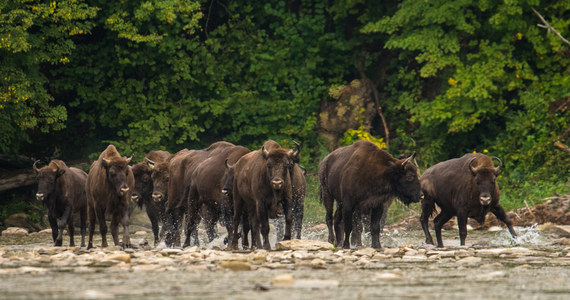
<point x="264" y="152"/>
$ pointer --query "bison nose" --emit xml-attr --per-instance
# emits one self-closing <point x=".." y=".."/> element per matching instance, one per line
<point x="40" y="197"/>
<point x="277" y="184"/>
<point x="135" y="198"/>
<point x="124" y="189"/>
<point x="422" y="196"/>
<point x="157" y="197"/>
<point x="225" y="192"/>
<point x="485" y="200"/>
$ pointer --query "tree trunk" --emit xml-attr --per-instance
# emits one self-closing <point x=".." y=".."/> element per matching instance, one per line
<point x="16" y="178"/>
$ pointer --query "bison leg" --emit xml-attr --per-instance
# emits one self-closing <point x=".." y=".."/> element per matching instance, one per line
<point x="298" y="219"/>
<point x="83" y="220"/>
<point x="245" y="230"/>
<point x="375" y="217"/>
<point x="462" y="225"/>
<point x="125" y="224"/>
<point x="356" y="238"/>
<point x="385" y="214"/>
<point x="71" y="229"/>
<point x="328" y="202"/>
<point x="153" y="216"/>
<point x="347" y="220"/>
<point x="102" y="227"/>
<point x="438" y="222"/>
<point x="92" y="220"/>
<point x="499" y="212"/>
<point x="238" y="214"/>
<point x="63" y="221"/>
<point x="279" y="228"/>
<point x="261" y="224"/>
<point x="54" y="228"/>
<point x="427" y="210"/>
<point x="338" y="226"/>
<point x="192" y="217"/>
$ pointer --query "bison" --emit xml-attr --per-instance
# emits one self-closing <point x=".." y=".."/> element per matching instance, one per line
<point x="262" y="185"/>
<point x="463" y="187"/>
<point x="171" y="181"/>
<point x="142" y="194"/>
<point x="363" y="177"/>
<point x="62" y="191"/>
<point x="299" y="188"/>
<point x="206" y="190"/>
<point x="109" y="186"/>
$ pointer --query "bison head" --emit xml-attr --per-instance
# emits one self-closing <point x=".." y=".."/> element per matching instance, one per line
<point x="485" y="177"/>
<point x="160" y="179"/>
<point x="117" y="170"/>
<point x="278" y="165"/>
<point x="47" y="177"/>
<point x="143" y="182"/>
<point x="405" y="180"/>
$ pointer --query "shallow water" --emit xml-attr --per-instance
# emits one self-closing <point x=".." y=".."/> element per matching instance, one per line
<point x="488" y="267"/>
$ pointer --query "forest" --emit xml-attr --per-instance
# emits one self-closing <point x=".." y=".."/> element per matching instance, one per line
<point x="439" y="78"/>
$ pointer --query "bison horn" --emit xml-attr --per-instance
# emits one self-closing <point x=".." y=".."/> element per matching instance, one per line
<point x="35" y="167"/>
<point x="473" y="170"/>
<point x="228" y="166"/>
<point x="500" y="162"/>
<point x="149" y="162"/>
<point x="297" y="152"/>
<point x="265" y="152"/>
<point x="408" y="159"/>
<point x="129" y="159"/>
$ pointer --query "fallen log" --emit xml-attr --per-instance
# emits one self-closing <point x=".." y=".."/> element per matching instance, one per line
<point x="11" y="179"/>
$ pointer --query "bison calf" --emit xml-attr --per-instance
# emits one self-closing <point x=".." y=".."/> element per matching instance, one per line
<point x="463" y="187"/>
<point x="62" y="191"/>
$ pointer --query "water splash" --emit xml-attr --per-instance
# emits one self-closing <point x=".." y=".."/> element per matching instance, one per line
<point x="527" y="236"/>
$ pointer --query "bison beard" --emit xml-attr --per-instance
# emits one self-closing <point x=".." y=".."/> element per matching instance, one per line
<point x="364" y="177"/>
<point x="62" y="190"/>
<point x="109" y="186"/>
<point x="465" y="187"/>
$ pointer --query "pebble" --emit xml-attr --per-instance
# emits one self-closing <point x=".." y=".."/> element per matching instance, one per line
<point x="121" y="257"/>
<point x="236" y="266"/>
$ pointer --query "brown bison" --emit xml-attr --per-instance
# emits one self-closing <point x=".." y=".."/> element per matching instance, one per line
<point x="142" y="194"/>
<point x="363" y="177"/>
<point x="262" y="186"/>
<point x="62" y="191"/>
<point x="299" y="188"/>
<point x="463" y="187"/>
<point x="109" y="186"/>
<point x="206" y="190"/>
<point x="171" y="181"/>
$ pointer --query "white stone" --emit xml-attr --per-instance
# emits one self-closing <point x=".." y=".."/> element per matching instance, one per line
<point x="309" y="245"/>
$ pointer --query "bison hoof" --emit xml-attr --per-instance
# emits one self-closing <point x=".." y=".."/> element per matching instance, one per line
<point x="58" y="243"/>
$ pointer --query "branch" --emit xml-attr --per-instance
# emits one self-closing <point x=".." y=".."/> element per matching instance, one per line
<point x="562" y="146"/>
<point x="548" y="27"/>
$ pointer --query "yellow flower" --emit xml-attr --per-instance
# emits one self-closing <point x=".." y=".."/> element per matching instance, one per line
<point x="485" y="151"/>
<point x="518" y="76"/>
<point x="519" y="35"/>
<point x="474" y="151"/>
<point x="452" y="81"/>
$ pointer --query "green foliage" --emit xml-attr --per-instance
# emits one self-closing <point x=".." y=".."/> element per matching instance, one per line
<point x="360" y="134"/>
<point x="34" y="36"/>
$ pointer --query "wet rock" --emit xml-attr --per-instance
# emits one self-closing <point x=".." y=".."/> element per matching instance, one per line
<point x="318" y="263"/>
<point x="441" y="254"/>
<point x="365" y="252"/>
<point x="170" y="251"/>
<point x="121" y="256"/>
<point x="394" y="251"/>
<point x="488" y="276"/>
<point x="95" y="294"/>
<point x="148" y="268"/>
<point x="495" y="228"/>
<point x="32" y="270"/>
<point x="283" y="280"/>
<point x="258" y="257"/>
<point x="236" y="266"/>
<point x="15" y="231"/>
<point x="562" y="230"/>
<point x="45" y="232"/>
<point x="412" y="258"/>
<point x="395" y="275"/>
<point x="140" y="232"/>
<point x="471" y="260"/>
<point x="562" y="241"/>
<point x="304" y="245"/>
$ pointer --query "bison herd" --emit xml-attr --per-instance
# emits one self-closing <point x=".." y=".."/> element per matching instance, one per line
<point x="243" y="190"/>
